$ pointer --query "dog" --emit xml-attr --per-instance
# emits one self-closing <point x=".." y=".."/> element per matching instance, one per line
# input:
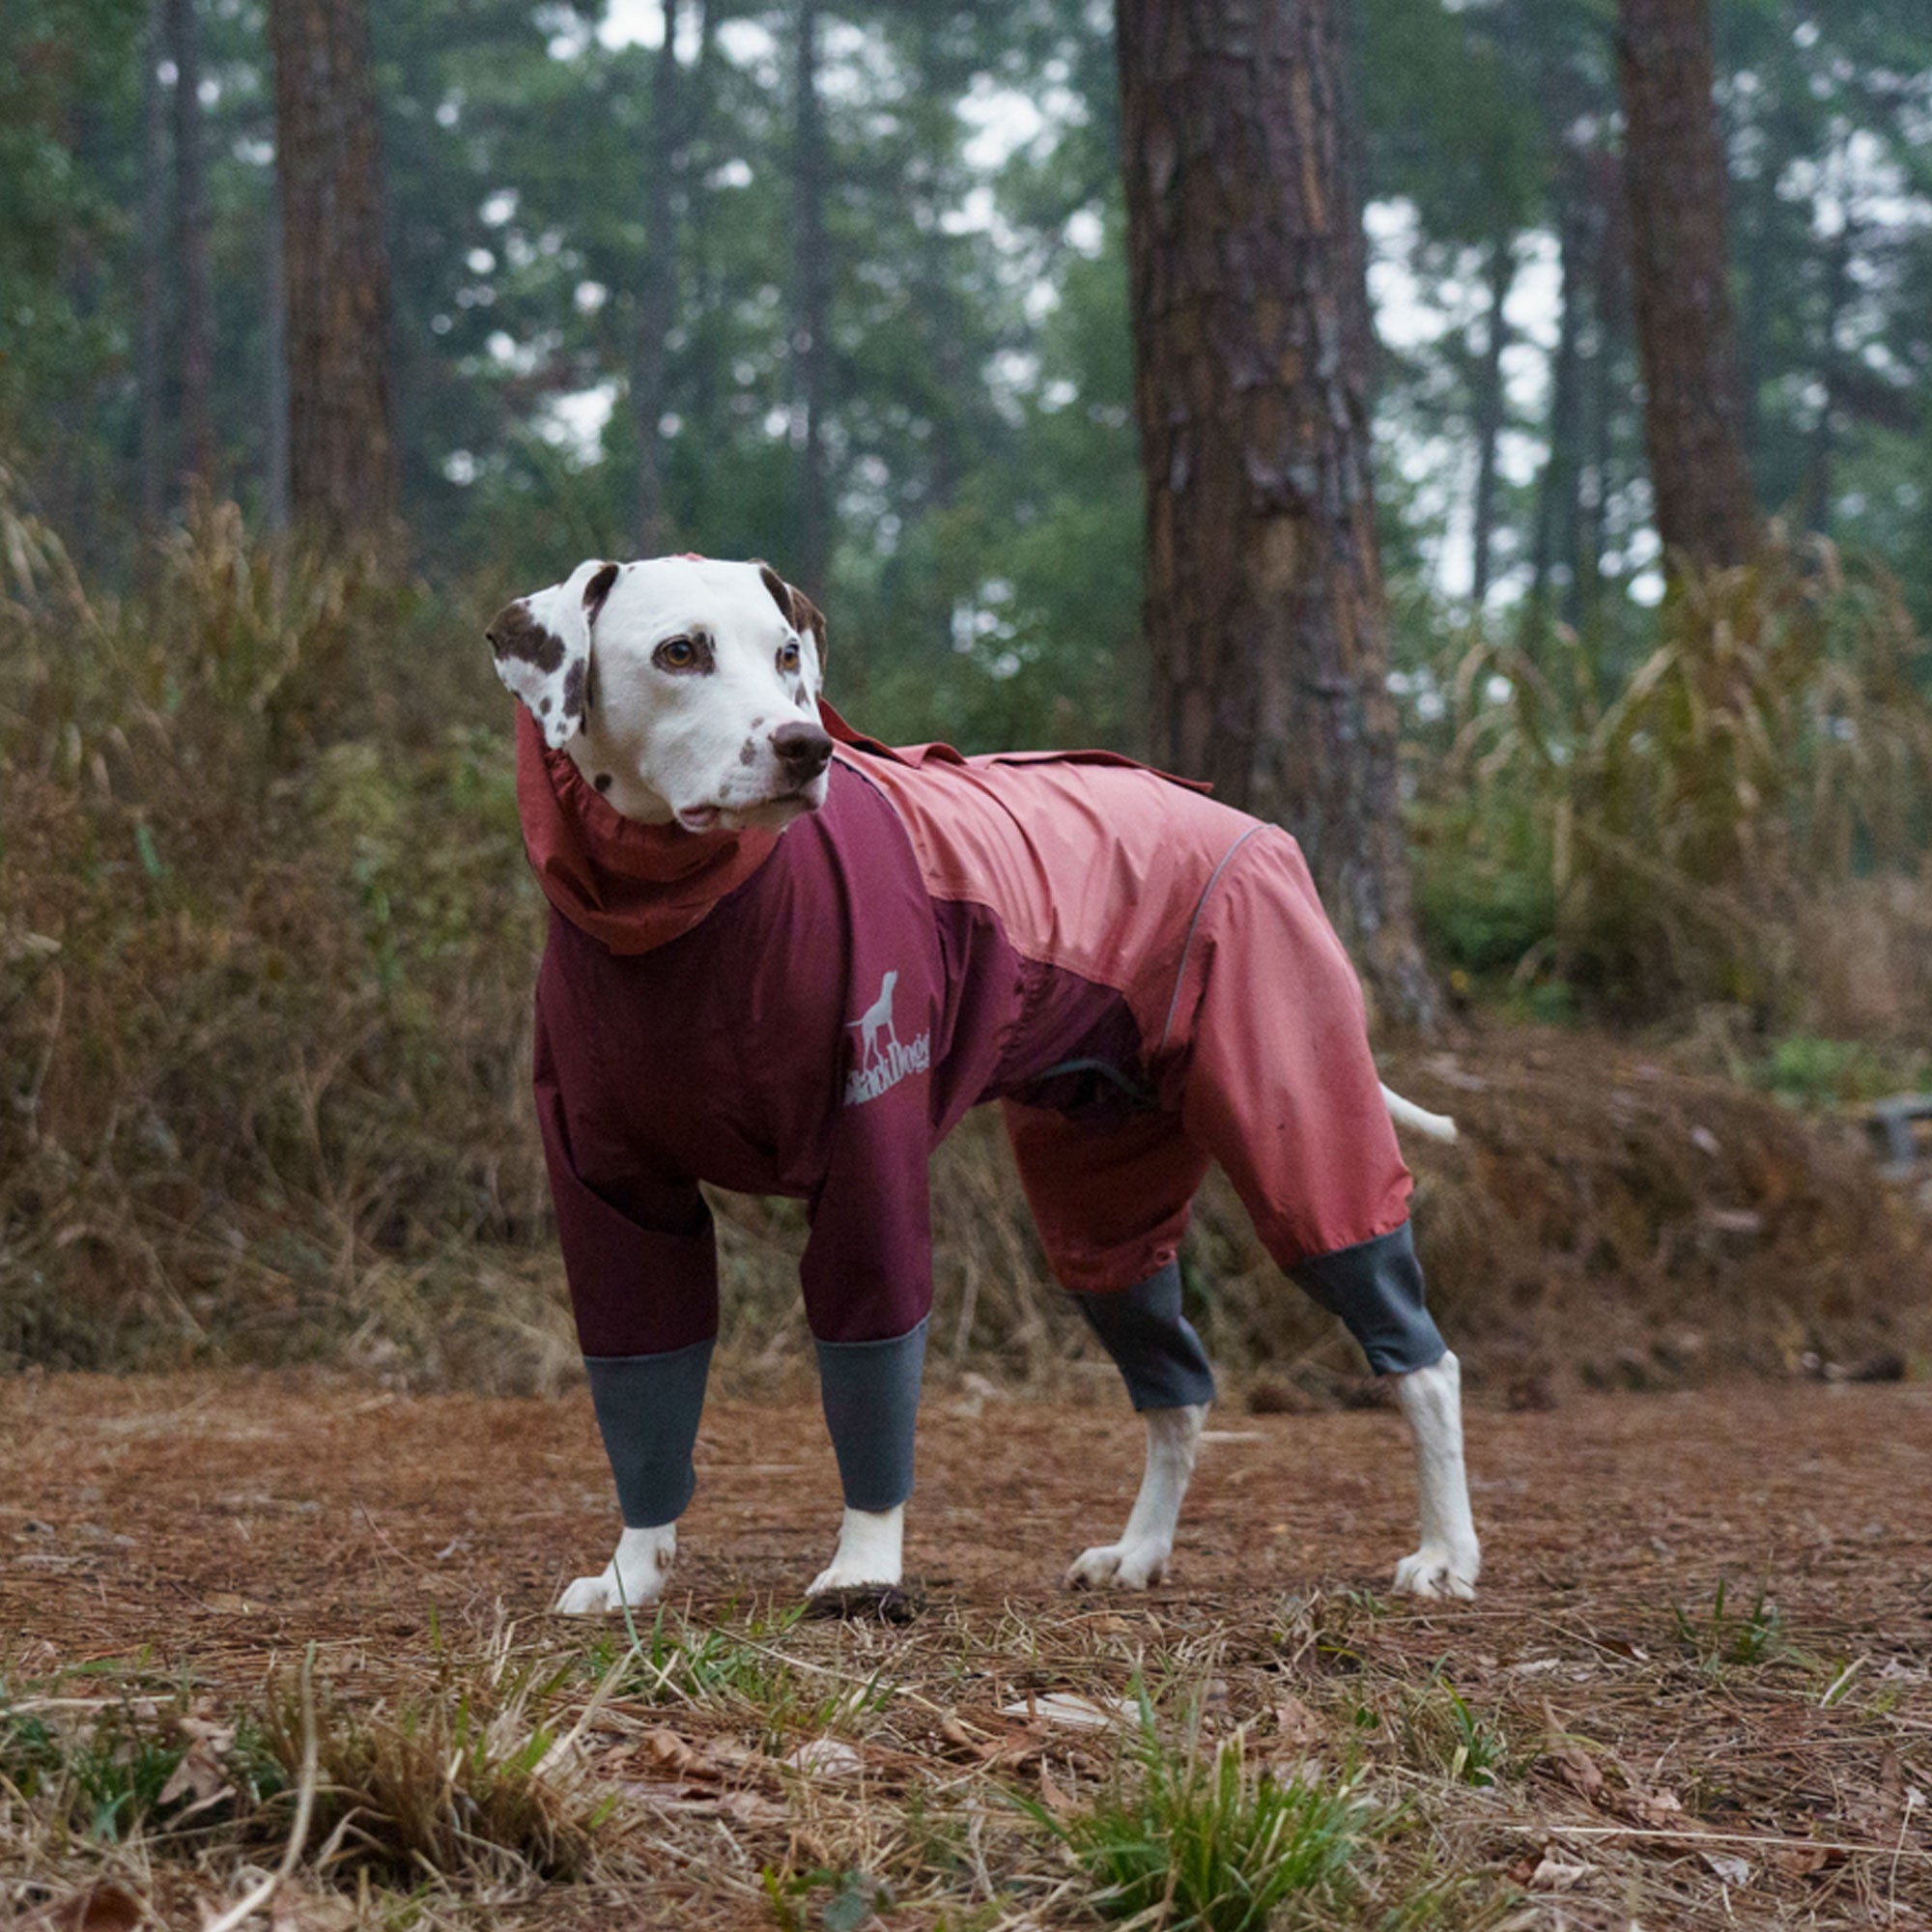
<point x="783" y="958"/>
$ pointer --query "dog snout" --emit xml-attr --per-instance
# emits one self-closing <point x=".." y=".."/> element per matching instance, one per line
<point x="803" y="750"/>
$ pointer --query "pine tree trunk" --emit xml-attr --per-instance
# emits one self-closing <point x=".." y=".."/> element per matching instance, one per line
<point x="1489" y="424"/>
<point x="812" y="300"/>
<point x="152" y="345"/>
<point x="656" y="294"/>
<point x="197" y="291"/>
<point x="342" y="440"/>
<point x="1680" y="278"/>
<point x="1264" y="608"/>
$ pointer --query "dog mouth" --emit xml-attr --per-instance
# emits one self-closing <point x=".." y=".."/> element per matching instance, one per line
<point x="774" y="811"/>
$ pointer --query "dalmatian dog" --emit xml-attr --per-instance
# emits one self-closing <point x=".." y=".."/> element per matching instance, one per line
<point x="783" y="958"/>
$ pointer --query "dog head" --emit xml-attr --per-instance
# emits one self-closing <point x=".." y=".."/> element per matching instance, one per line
<point x="681" y="688"/>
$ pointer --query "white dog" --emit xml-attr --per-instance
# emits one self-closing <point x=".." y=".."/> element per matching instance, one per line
<point x="782" y="960"/>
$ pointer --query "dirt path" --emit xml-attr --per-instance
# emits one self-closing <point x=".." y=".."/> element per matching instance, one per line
<point x="215" y="1519"/>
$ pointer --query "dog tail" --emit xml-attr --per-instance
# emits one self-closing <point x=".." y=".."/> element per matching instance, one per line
<point x="1406" y="1113"/>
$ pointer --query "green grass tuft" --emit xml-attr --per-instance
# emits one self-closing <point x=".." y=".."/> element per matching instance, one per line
<point x="1192" y="1836"/>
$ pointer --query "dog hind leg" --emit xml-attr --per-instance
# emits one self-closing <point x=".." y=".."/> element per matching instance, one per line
<point x="1449" y="1559"/>
<point x="1141" y="1556"/>
<point x="1165" y="1369"/>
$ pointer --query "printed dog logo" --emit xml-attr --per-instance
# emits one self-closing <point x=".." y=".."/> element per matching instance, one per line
<point x="881" y="1067"/>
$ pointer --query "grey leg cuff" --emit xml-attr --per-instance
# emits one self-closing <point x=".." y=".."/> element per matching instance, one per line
<point x="648" y="1410"/>
<point x="870" y="1392"/>
<point x="1376" y="1287"/>
<point x="1153" y="1344"/>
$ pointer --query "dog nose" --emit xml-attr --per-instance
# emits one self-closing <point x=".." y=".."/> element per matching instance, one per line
<point x="803" y="750"/>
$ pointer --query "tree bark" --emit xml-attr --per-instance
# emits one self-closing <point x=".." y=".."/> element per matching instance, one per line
<point x="657" y="293"/>
<point x="812" y="307"/>
<point x="342" y="440"/>
<point x="152" y="345"/>
<point x="1264" y="605"/>
<point x="197" y="292"/>
<point x="1489" y="424"/>
<point x="1680" y="279"/>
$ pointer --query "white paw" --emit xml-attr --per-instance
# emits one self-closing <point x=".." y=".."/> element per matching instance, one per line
<point x="871" y="1552"/>
<point x="1439" y="1570"/>
<point x="634" y="1576"/>
<point x="1119" y="1565"/>
<point x="849" y="1576"/>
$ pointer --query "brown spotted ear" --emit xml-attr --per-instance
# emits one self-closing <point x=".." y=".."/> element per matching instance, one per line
<point x="798" y="610"/>
<point x="542" y="646"/>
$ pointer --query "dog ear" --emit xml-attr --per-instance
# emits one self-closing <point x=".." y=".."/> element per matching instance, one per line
<point x="542" y="646"/>
<point x="799" y="611"/>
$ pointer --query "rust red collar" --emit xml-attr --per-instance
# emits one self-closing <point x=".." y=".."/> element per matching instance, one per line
<point x="632" y="887"/>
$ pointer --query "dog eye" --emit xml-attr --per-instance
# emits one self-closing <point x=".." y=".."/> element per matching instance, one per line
<point x="788" y="655"/>
<point x="676" y="654"/>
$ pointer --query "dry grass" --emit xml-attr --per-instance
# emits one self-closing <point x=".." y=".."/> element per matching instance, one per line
<point x="1775" y="742"/>
<point x="266" y="949"/>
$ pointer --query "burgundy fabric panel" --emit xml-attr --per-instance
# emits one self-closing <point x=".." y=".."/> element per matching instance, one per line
<point x="638" y="1287"/>
<point x="730" y="1054"/>
<point x="1278" y="1083"/>
<point x="1110" y="1204"/>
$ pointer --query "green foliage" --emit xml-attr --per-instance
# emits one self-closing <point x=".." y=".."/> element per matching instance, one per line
<point x="1728" y="1638"/>
<point x="1192" y="1837"/>
<point x="1815" y="1072"/>
<point x="1773" y="739"/>
<point x="1443" y="1734"/>
<point x="110" y="1769"/>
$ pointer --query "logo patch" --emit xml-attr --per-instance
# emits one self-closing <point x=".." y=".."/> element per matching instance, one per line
<point x="883" y="1059"/>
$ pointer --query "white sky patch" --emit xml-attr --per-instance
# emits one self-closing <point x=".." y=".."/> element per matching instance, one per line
<point x="1086" y="233"/>
<point x="574" y="424"/>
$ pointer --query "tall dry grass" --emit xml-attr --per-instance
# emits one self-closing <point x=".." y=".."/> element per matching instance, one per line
<point x="267" y="947"/>
<point x="1769" y="755"/>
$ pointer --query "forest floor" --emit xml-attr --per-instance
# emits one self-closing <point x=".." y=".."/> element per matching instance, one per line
<point x="1695" y="1689"/>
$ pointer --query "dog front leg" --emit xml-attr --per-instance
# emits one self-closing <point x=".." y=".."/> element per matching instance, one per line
<point x="635" y="1574"/>
<point x="871" y="1395"/>
<point x="1450" y="1557"/>
<point x="871" y="1552"/>
<point x="648" y="1409"/>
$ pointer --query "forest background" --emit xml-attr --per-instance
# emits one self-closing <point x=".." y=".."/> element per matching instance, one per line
<point x="856" y="299"/>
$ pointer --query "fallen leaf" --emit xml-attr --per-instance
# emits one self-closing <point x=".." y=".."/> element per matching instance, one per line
<point x="1067" y="1707"/>
<point x="1551" y="1874"/>
<point x="828" y="1757"/>
<point x="1297" y="1723"/>
<point x="102" y="1908"/>
<point x="293" y="1910"/>
<point x="1051" y="1796"/>
<point x="199" y="1773"/>
<point x="1733" y="1870"/>
<point x="1576" y="1768"/>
